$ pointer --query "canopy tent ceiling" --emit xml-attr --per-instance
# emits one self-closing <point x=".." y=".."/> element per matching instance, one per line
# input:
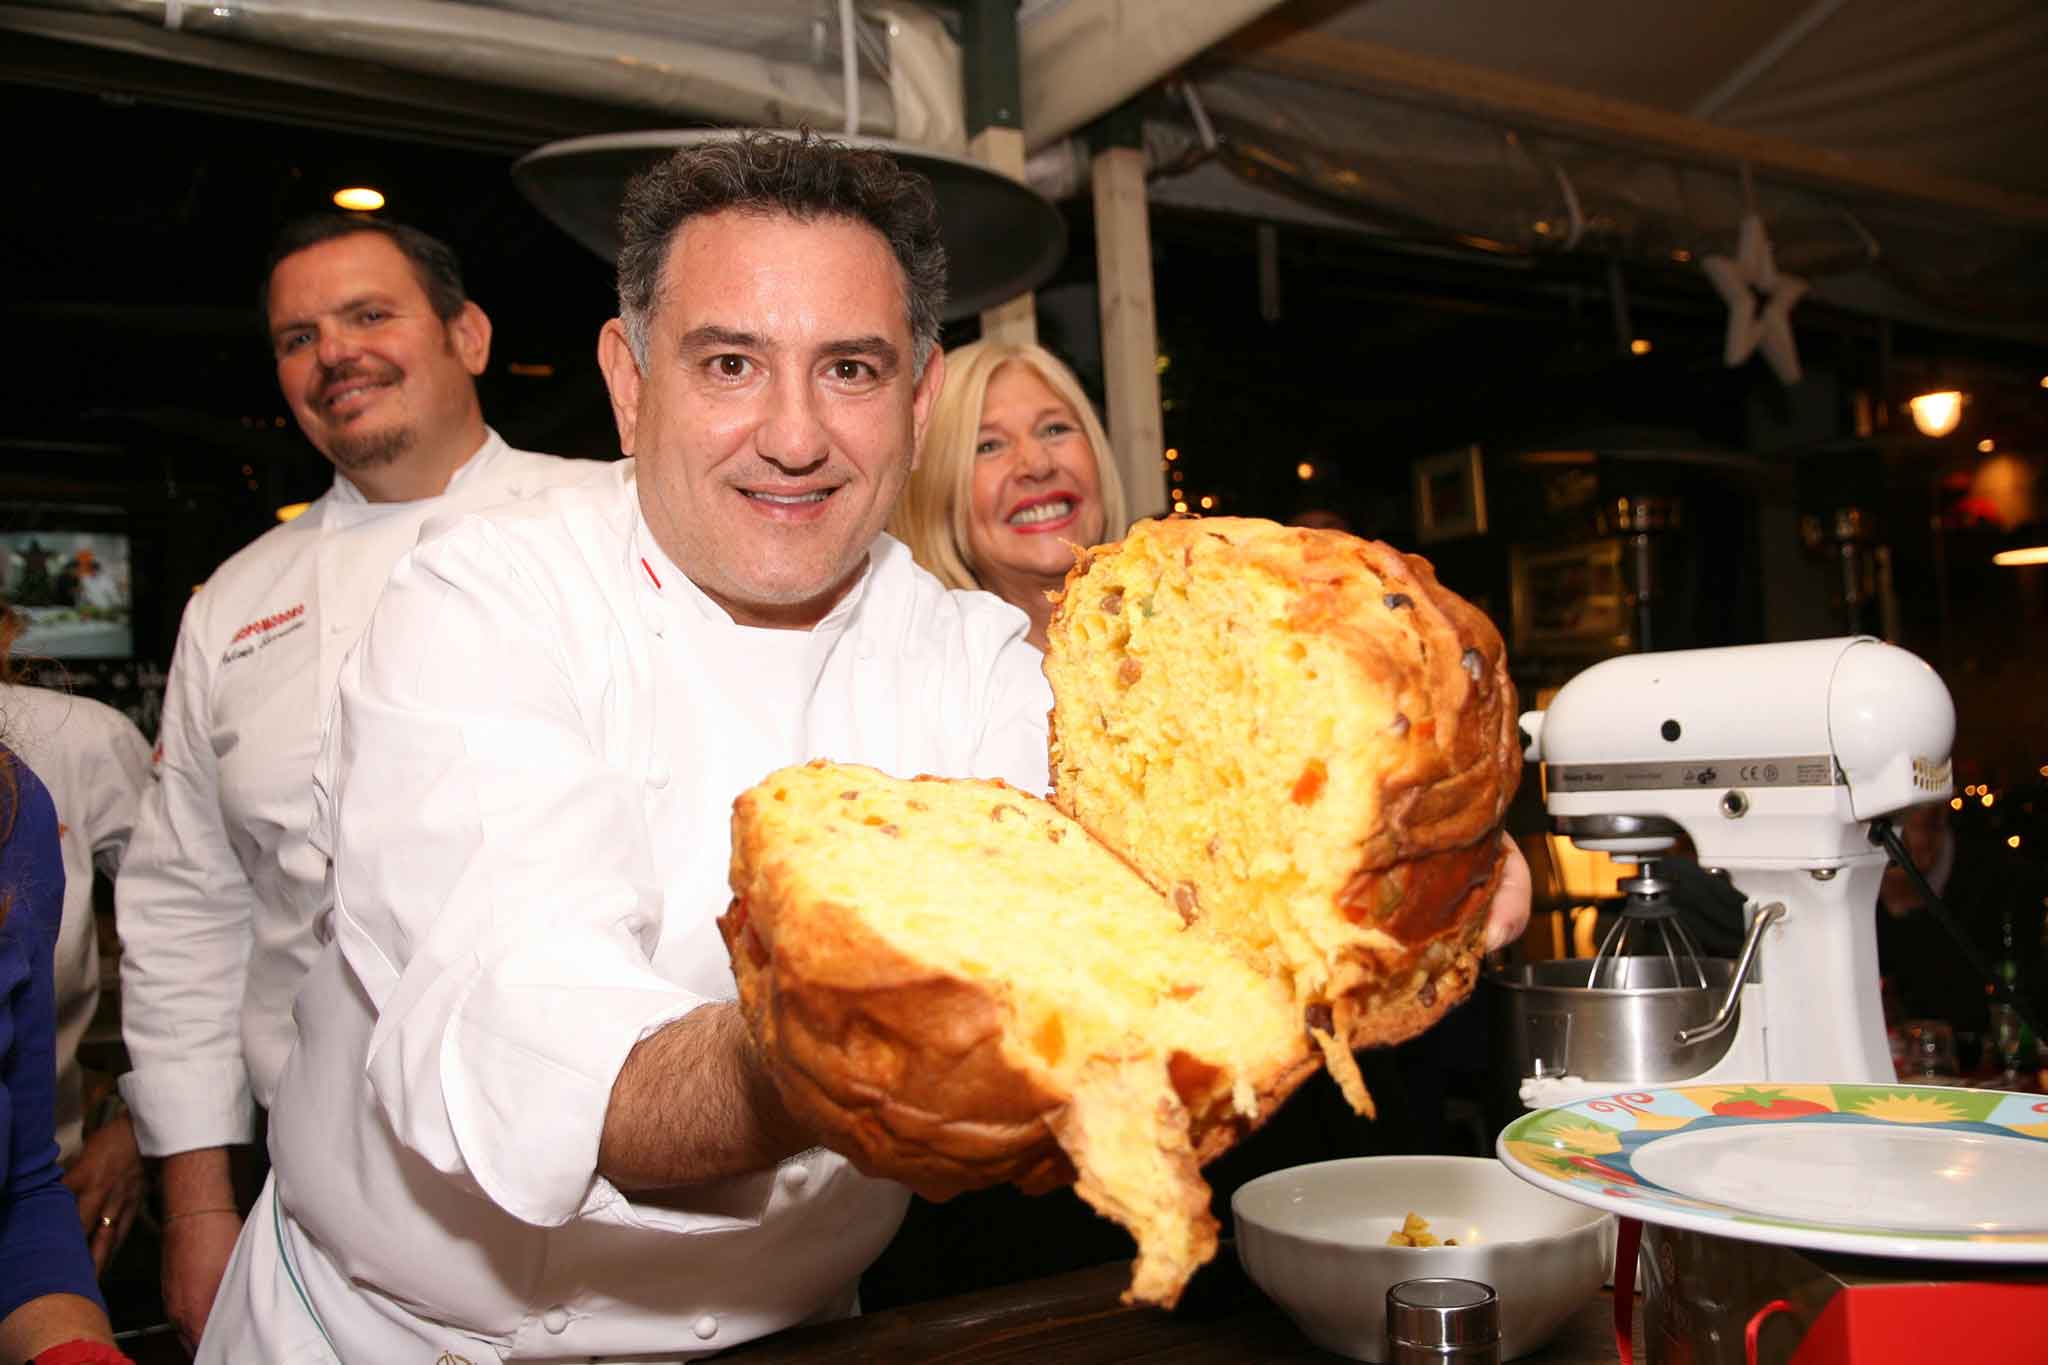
<point x="1891" y="147"/>
<point x="1893" y="150"/>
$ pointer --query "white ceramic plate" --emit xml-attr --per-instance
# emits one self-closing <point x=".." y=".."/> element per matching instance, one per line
<point x="1882" y="1170"/>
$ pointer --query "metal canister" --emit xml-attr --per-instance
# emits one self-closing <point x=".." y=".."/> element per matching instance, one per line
<point x="1443" y="1321"/>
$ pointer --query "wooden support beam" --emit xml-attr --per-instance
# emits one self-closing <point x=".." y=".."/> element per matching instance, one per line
<point x="994" y="109"/>
<point x="1130" y="334"/>
<point x="1376" y="69"/>
<point x="1015" y="320"/>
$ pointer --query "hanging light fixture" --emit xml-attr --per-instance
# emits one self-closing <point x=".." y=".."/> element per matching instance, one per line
<point x="2021" y="556"/>
<point x="1002" y="237"/>
<point x="359" y="198"/>
<point x="1936" y="414"/>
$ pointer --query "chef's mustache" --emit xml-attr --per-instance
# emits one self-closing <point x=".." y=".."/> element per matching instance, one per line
<point x="328" y="380"/>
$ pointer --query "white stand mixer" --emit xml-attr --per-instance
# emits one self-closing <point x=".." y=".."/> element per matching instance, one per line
<point x="1773" y="760"/>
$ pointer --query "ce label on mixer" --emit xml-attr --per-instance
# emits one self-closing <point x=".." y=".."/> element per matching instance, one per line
<point x="1803" y="770"/>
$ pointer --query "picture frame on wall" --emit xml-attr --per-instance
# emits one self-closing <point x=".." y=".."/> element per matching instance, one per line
<point x="1450" y="495"/>
<point x="1570" y="599"/>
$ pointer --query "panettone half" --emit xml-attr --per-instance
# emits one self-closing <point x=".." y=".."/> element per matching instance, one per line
<point x="1303" y="739"/>
<point x="955" y="985"/>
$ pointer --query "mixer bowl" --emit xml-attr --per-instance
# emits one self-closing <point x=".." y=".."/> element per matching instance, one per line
<point x="1556" y="1024"/>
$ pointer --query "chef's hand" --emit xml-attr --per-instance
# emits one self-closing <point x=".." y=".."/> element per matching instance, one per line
<point x="106" y="1179"/>
<point x="1510" y="913"/>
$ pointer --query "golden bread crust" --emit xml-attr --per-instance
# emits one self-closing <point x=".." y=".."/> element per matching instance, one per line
<point x="903" y="1065"/>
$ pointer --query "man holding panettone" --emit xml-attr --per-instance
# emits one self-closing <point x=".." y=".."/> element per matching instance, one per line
<point x="524" y="1119"/>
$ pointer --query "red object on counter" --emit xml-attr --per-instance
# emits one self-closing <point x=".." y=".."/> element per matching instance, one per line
<point x="1756" y="1324"/>
<point x="1907" y="1324"/>
<point x="1628" y="1240"/>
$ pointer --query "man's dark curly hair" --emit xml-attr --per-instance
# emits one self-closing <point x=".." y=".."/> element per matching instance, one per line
<point x="803" y="176"/>
<point x="432" y="260"/>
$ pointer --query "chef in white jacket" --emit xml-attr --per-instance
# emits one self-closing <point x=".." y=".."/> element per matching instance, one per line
<point x="96" y="765"/>
<point x="377" y="351"/>
<point x="524" y="1121"/>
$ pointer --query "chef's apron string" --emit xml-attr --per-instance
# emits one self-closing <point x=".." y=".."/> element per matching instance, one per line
<point x="284" y="1254"/>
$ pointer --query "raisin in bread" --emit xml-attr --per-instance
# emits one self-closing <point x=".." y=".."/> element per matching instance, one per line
<point x="1305" y="741"/>
<point x="957" y="986"/>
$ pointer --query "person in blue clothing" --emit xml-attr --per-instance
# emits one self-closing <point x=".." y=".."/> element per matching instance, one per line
<point x="50" y="1307"/>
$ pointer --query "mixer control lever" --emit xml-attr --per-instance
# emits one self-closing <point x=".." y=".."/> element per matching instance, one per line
<point x="1731" y="1003"/>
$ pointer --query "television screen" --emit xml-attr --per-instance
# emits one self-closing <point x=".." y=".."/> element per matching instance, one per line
<point x="73" y="592"/>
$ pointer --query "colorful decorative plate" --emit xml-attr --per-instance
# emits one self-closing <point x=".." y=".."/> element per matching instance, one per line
<point x="1884" y="1170"/>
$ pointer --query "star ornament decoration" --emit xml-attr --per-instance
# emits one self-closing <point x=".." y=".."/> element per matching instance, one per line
<point x="1759" y="298"/>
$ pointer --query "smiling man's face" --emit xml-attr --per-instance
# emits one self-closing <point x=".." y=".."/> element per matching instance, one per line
<point x="371" y="372"/>
<point x="778" y="414"/>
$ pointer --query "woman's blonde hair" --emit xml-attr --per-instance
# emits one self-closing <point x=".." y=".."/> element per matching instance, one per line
<point x="932" y="515"/>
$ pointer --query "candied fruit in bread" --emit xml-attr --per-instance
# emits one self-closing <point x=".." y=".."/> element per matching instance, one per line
<point x="960" y="986"/>
<point x="1308" y="741"/>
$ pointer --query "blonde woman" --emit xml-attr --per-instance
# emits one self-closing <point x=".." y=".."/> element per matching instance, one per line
<point x="1015" y="470"/>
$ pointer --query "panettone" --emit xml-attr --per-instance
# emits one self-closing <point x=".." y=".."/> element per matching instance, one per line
<point x="1283" y="756"/>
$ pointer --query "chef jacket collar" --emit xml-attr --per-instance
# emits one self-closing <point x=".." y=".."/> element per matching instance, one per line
<point x="350" y="506"/>
<point x="663" y="588"/>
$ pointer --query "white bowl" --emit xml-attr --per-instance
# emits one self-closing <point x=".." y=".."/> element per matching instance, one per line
<point x="1314" y="1238"/>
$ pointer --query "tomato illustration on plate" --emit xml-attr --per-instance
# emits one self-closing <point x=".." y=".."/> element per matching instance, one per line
<point x="1572" y="1167"/>
<point x="1755" y="1103"/>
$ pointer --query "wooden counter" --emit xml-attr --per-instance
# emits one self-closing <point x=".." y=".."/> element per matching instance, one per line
<point x="1075" y="1319"/>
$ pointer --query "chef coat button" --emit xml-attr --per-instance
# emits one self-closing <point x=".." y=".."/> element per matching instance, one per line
<point x="335" y="627"/>
<point x="556" y="1320"/>
<point x="705" y="1327"/>
<point x="796" y="1177"/>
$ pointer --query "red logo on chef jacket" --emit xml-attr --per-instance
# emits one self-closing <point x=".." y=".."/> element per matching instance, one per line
<point x="264" y="631"/>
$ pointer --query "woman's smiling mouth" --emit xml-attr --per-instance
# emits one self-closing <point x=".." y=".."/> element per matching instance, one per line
<point x="1034" y="515"/>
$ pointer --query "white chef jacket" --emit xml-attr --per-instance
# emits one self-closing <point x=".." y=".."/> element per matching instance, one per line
<point x="528" y="788"/>
<point x="96" y="765"/>
<point x="216" y="899"/>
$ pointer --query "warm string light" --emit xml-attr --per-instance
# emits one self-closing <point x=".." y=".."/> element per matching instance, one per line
<point x="1936" y="414"/>
<point x="359" y="199"/>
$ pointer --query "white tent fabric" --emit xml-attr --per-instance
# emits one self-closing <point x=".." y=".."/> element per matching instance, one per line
<point x="1892" y="147"/>
<point x="1949" y="86"/>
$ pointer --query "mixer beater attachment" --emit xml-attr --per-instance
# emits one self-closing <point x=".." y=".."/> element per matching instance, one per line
<point x="1648" y="926"/>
